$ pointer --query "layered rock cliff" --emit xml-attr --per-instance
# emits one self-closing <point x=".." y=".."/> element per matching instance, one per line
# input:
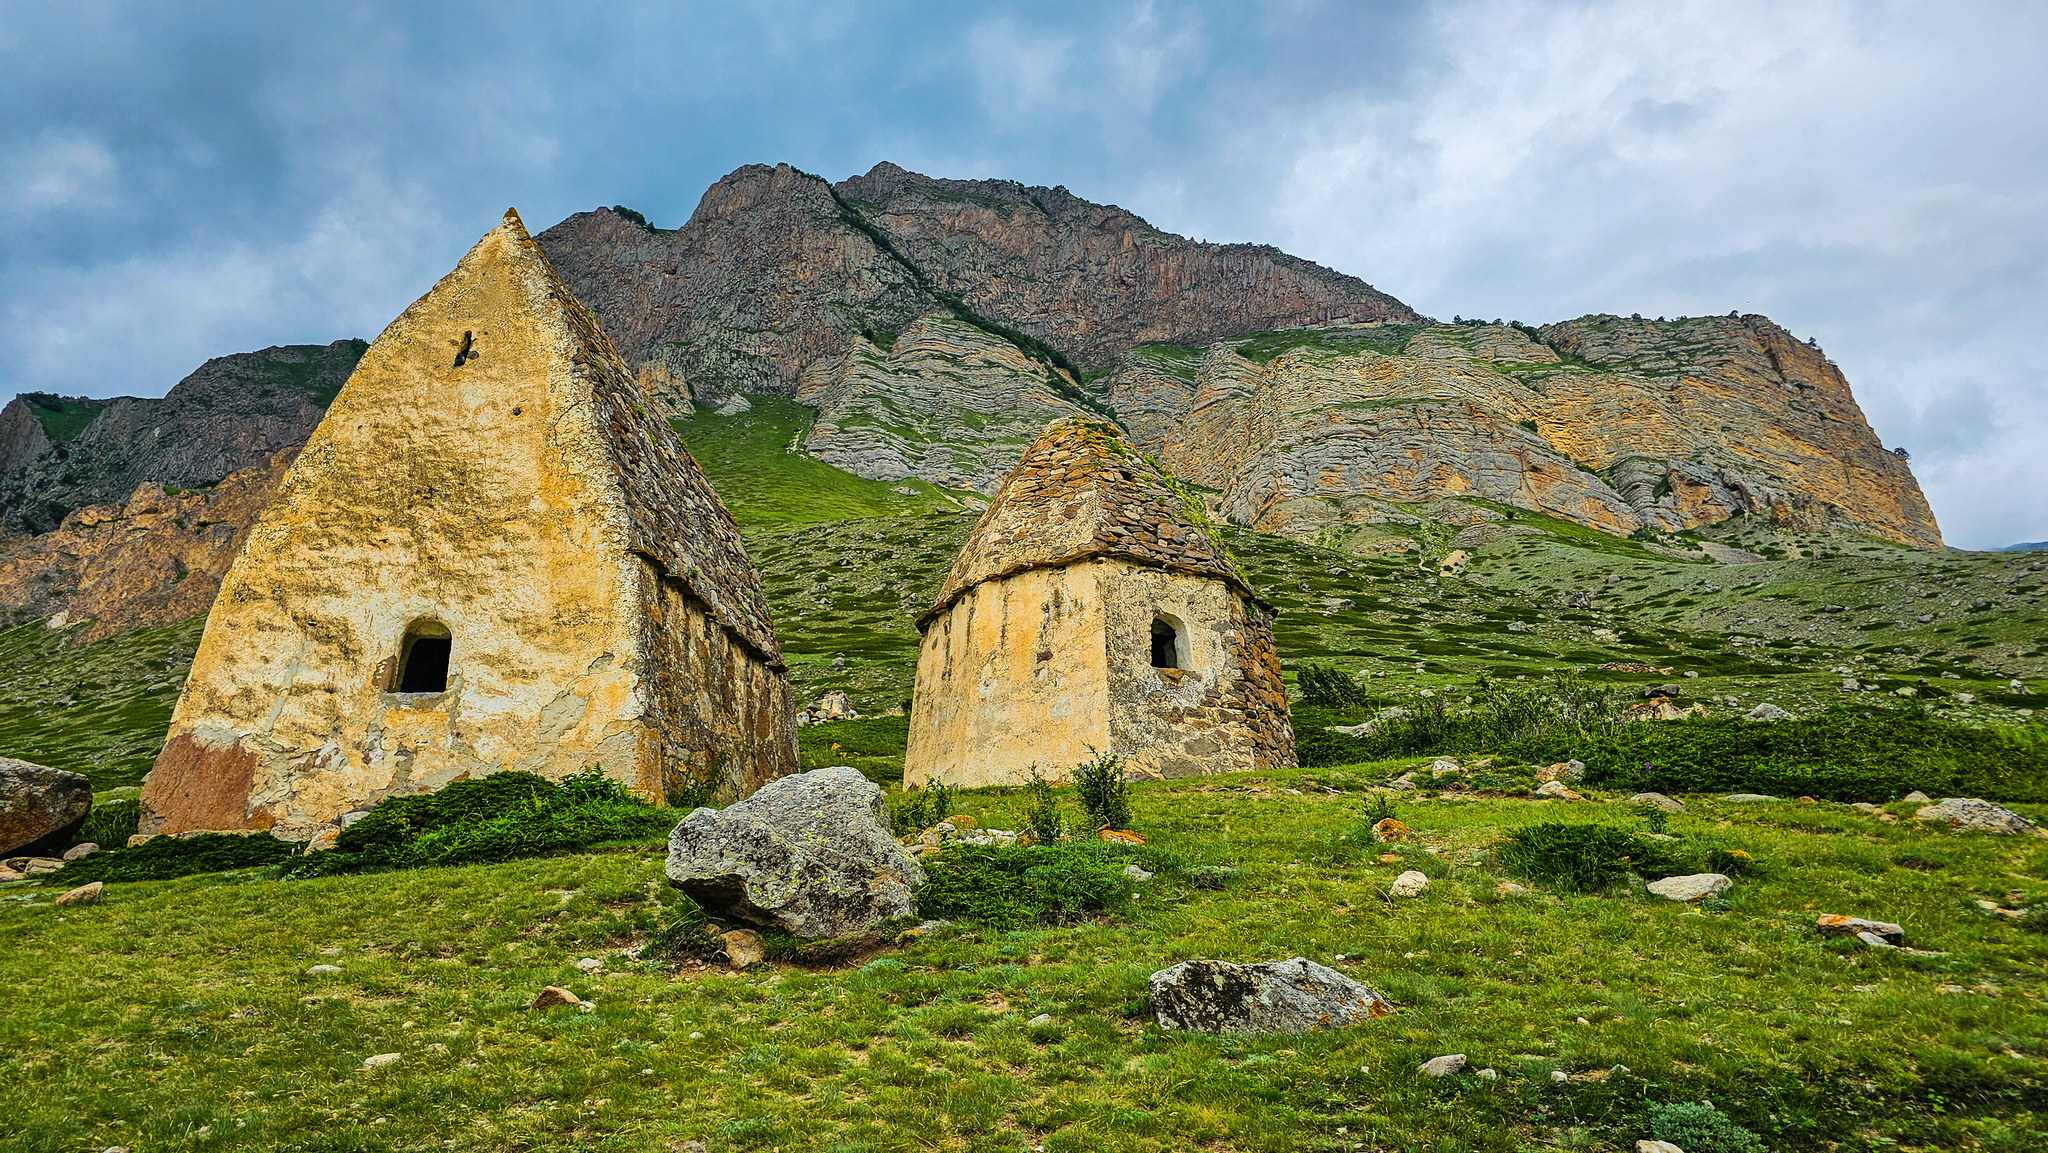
<point x="1619" y="424"/>
<point x="233" y="412"/>
<point x="776" y="269"/>
<point x="152" y="559"/>
<point x="946" y="402"/>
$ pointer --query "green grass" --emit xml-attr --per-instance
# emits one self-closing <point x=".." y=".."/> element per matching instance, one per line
<point x="63" y="418"/>
<point x="99" y="709"/>
<point x="749" y="460"/>
<point x="181" y="1014"/>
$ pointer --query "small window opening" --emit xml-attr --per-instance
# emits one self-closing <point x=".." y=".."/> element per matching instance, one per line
<point x="423" y="658"/>
<point x="1165" y="644"/>
<point x="467" y="352"/>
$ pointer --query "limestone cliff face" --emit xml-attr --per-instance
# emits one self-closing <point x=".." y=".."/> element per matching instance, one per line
<point x="947" y="403"/>
<point x="154" y="559"/>
<point x="777" y="269"/>
<point x="1093" y="280"/>
<point x="233" y="412"/>
<point x="1638" y="424"/>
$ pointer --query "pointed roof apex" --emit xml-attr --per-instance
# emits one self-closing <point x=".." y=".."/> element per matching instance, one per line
<point x="1082" y="491"/>
<point x="512" y="217"/>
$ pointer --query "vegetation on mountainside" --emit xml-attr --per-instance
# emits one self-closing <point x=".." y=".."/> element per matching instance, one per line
<point x="63" y="417"/>
<point x="99" y="709"/>
<point x="754" y="463"/>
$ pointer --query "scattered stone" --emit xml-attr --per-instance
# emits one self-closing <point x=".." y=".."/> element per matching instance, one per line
<point x="323" y="840"/>
<point x="1567" y="771"/>
<point x="81" y="896"/>
<point x="1387" y="830"/>
<point x="1767" y="712"/>
<point x="1966" y="698"/>
<point x="34" y="866"/>
<point x="1559" y="1076"/>
<point x="1658" y="799"/>
<point x="135" y="839"/>
<point x="1136" y="874"/>
<point x="40" y="807"/>
<point x="1866" y="807"/>
<point x="1293" y="996"/>
<point x="1509" y="889"/>
<point x="1748" y="798"/>
<point x="1851" y="685"/>
<point x="1917" y="796"/>
<point x="1040" y="1021"/>
<point x="1661" y="691"/>
<point x="589" y="964"/>
<point x="323" y="970"/>
<point x="1443" y="767"/>
<point x="1116" y="836"/>
<point x="1389" y="858"/>
<point x="7" y="874"/>
<point x="1409" y="884"/>
<point x="809" y="854"/>
<point x="1657" y="1147"/>
<point x="1875" y="941"/>
<point x="76" y="851"/>
<point x="1557" y="789"/>
<point x="1488" y="1074"/>
<point x="380" y="1060"/>
<point x="1692" y="887"/>
<point x="1968" y="814"/>
<point x="742" y="947"/>
<point x="1906" y="691"/>
<point x="554" y="996"/>
<point x="1837" y="925"/>
<point x="1442" y="1066"/>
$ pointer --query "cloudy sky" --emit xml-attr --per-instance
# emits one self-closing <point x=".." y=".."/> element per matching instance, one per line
<point x="177" y="184"/>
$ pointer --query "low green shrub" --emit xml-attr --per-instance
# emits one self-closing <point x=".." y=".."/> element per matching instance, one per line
<point x="1015" y="888"/>
<point x="110" y="824"/>
<point x="162" y="858"/>
<point x="1043" y="817"/>
<point x="684" y="933"/>
<point x="1698" y="1127"/>
<point x="494" y="818"/>
<point x="1843" y="754"/>
<point x="1581" y="857"/>
<point x="922" y="808"/>
<point x="1104" y="792"/>
<point x="1500" y="717"/>
<point x="1329" y="687"/>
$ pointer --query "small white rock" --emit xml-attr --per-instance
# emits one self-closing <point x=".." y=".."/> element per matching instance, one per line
<point x="1488" y="1075"/>
<point x="1657" y="1147"/>
<point x="380" y="1060"/>
<point x="1559" y="1076"/>
<point x="1135" y="873"/>
<point x="1692" y="887"/>
<point x="1041" y="1019"/>
<point x="1874" y="941"/>
<point x="322" y="970"/>
<point x="1409" y="884"/>
<point x="1442" y="1066"/>
<point x="589" y="964"/>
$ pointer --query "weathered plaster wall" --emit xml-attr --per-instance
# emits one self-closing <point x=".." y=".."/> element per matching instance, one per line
<point x="1046" y="665"/>
<point x="1013" y="674"/>
<point x="1224" y="710"/>
<point x="487" y="494"/>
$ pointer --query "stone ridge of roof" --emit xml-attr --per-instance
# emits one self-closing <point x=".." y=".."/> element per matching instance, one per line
<point x="674" y="517"/>
<point x="1082" y="491"/>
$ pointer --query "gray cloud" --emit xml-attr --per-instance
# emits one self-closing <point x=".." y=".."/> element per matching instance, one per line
<point x="175" y="185"/>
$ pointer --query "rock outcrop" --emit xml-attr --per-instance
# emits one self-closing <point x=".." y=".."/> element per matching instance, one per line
<point x="1613" y="423"/>
<point x="1297" y="996"/>
<point x="154" y="559"/>
<point x="232" y="413"/>
<point x="809" y="854"/>
<point x="777" y="268"/>
<point x="947" y="403"/>
<point x="40" y="807"/>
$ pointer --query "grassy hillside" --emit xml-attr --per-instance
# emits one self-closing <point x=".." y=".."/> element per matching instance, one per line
<point x="184" y="1014"/>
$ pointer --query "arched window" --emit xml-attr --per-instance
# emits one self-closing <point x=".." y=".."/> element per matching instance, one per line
<point x="423" y="658"/>
<point x="1169" y="643"/>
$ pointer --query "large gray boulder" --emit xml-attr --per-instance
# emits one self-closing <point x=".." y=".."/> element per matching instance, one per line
<point x="1973" y="815"/>
<point x="1294" y="996"/>
<point x="808" y="854"/>
<point x="40" y="808"/>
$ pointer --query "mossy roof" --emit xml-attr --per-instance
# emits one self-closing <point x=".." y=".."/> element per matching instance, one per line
<point x="1081" y="491"/>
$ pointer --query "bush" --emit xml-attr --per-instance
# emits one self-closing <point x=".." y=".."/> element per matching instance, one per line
<point x="109" y="825"/>
<point x="1020" y="887"/>
<point x="1701" y="1128"/>
<point x="1328" y="687"/>
<point x="494" y="818"/>
<point x="1844" y="754"/>
<point x="1567" y="710"/>
<point x="1104" y="792"/>
<point x="922" y="809"/>
<point x="1580" y="858"/>
<point x="162" y="858"/>
<point x="1042" y="816"/>
<point x="684" y="933"/>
